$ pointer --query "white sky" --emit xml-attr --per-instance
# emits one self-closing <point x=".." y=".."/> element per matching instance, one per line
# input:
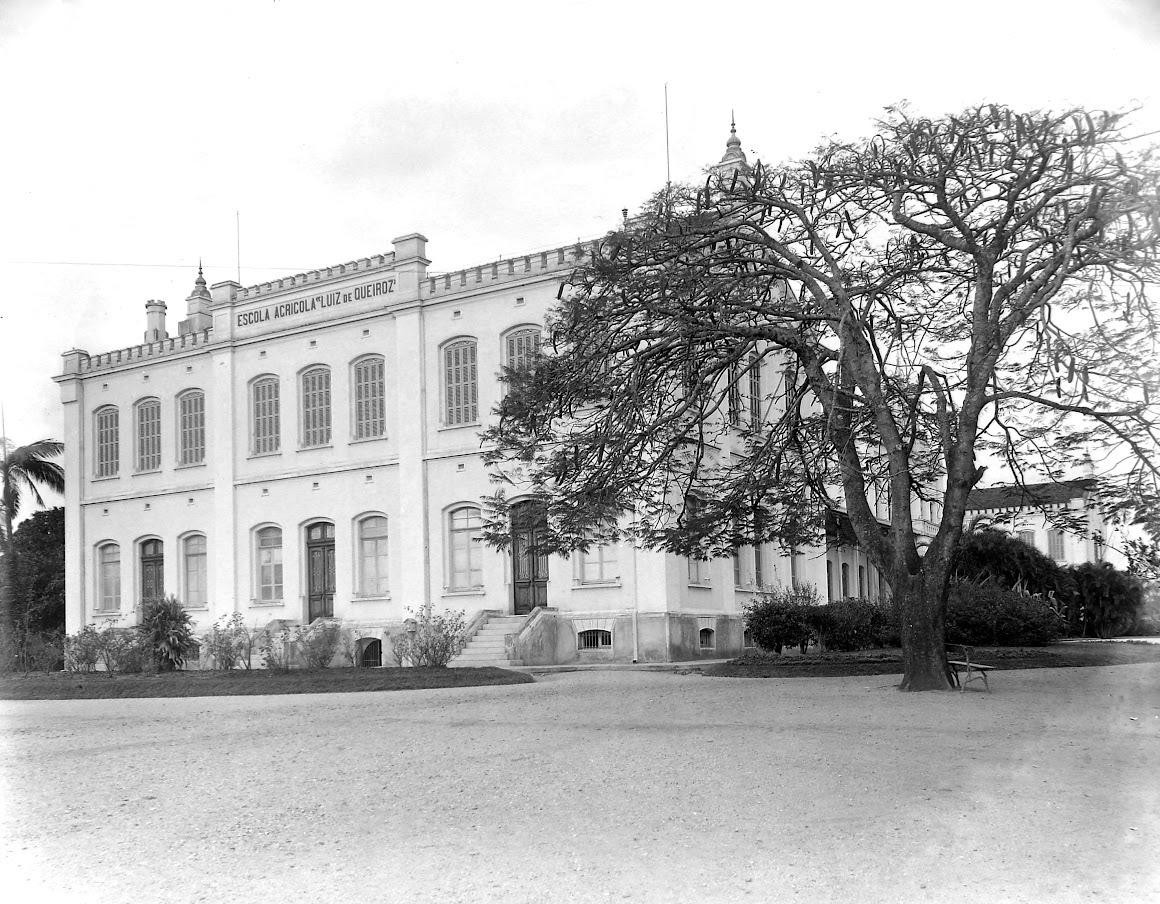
<point x="130" y="132"/>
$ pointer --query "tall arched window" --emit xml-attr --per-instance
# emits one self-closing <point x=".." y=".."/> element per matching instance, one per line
<point x="755" y="391"/>
<point x="106" y="422"/>
<point x="465" y="556"/>
<point x="316" y="407"/>
<point x="194" y="571"/>
<point x="148" y="414"/>
<point x="372" y="555"/>
<point x="461" y="384"/>
<point x="521" y="346"/>
<point x="269" y="543"/>
<point x="264" y="406"/>
<point x="370" y="416"/>
<point x="108" y="577"/>
<point x="191" y="427"/>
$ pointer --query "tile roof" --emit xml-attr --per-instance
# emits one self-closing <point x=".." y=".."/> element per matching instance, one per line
<point x="1031" y="495"/>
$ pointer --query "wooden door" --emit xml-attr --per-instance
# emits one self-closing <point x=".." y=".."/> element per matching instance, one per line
<point x="152" y="570"/>
<point x="320" y="570"/>
<point x="529" y="562"/>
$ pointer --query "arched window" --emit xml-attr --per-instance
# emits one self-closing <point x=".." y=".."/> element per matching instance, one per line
<point x="148" y="413"/>
<point x="461" y="383"/>
<point x="108" y="452"/>
<point x="705" y="638"/>
<point x="755" y="391"/>
<point x="372" y="556"/>
<point x="465" y="553"/>
<point x="108" y="577"/>
<point x="266" y="429"/>
<point x="316" y="407"/>
<point x="594" y="639"/>
<point x="372" y="654"/>
<point x="845" y="580"/>
<point x="269" y="576"/>
<point x="191" y="427"/>
<point x="194" y="571"/>
<point x="152" y="570"/>
<point x="521" y="346"/>
<point x="370" y="417"/>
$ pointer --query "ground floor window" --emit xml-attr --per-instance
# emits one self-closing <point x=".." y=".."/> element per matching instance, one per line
<point x="372" y="655"/>
<point x="195" y="571"/>
<point x="109" y="578"/>
<point x="594" y="639"/>
<point x="705" y="638"/>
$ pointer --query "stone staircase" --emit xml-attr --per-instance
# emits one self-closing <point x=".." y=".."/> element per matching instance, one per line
<point x="486" y="647"/>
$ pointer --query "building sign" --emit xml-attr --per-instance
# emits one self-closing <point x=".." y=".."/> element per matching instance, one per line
<point x="316" y="306"/>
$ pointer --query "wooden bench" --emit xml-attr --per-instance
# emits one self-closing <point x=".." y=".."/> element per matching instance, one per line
<point x="975" y="671"/>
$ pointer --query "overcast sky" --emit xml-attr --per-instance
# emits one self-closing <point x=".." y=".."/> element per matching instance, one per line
<point x="133" y="131"/>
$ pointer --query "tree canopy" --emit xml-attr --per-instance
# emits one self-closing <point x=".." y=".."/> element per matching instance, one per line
<point x="885" y="310"/>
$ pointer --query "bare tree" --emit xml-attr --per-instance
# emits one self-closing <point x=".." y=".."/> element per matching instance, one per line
<point x="851" y="331"/>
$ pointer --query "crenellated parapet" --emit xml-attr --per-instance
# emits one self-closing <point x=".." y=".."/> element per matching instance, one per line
<point x="337" y="271"/>
<point x="146" y="351"/>
<point x="511" y="269"/>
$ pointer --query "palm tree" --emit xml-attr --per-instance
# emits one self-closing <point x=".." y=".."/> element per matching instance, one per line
<point x="23" y="472"/>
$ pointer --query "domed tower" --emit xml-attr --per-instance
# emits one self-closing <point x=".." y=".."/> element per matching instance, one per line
<point x="734" y="160"/>
<point x="198" y="317"/>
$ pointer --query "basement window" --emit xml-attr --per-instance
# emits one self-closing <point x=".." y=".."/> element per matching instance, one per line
<point x="594" y="639"/>
<point x="705" y="638"/>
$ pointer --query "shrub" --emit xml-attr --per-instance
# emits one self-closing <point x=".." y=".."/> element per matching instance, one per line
<point x="851" y="624"/>
<point x="992" y="556"/>
<point x="317" y="643"/>
<point x="1108" y="600"/>
<point x="780" y="618"/>
<point x="168" y="630"/>
<point x="276" y="646"/>
<point x="82" y="651"/>
<point x="230" y="643"/>
<point x="983" y="614"/>
<point x="430" y="640"/>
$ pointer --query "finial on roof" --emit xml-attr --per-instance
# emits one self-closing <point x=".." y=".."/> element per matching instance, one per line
<point x="199" y="289"/>
<point x="733" y="145"/>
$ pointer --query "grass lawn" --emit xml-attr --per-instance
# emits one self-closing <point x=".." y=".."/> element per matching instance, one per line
<point x="101" y="685"/>
<point x="889" y="662"/>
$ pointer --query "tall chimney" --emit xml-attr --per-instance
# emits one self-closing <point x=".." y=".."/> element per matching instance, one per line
<point x="155" y="321"/>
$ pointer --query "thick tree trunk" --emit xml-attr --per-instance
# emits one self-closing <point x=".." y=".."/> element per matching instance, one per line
<point x="921" y="602"/>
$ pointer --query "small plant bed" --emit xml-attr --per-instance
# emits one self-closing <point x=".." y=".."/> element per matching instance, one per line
<point x="101" y="685"/>
<point x="889" y="662"/>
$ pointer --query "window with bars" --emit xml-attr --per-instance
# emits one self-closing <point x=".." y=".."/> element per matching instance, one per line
<point x="464" y="541"/>
<point x="267" y="426"/>
<point x="461" y="383"/>
<point x="521" y="347"/>
<point x="594" y="639"/>
<point x="598" y="565"/>
<point x="108" y="451"/>
<point x="372" y="541"/>
<point x="194" y="570"/>
<point x="370" y="416"/>
<point x="1055" y="543"/>
<point x="109" y="577"/>
<point x="269" y="542"/>
<point x="191" y="427"/>
<point x="316" y="407"/>
<point x="148" y="435"/>
<point x="755" y="391"/>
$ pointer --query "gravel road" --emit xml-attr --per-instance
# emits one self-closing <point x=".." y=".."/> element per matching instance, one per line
<point x="597" y="786"/>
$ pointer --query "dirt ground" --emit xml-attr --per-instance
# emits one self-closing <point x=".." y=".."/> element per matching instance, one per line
<point x="594" y="786"/>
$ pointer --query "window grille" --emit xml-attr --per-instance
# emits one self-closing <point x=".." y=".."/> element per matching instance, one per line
<point x="461" y="383"/>
<point x="269" y="564"/>
<point x="109" y="577"/>
<point x="195" y="571"/>
<point x="148" y="435"/>
<point x="373" y="556"/>
<point x="594" y="639"/>
<point x="316" y="407"/>
<point x="370" y="418"/>
<point x="372" y="655"/>
<point x="267" y="422"/>
<point x="191" y="428"/>
<point x="755" y="391"/>
<point x="466" y="555"/>
<point x="108" y="442"/>
<point x="705" y="638"/>
<point x="522" y="347"/>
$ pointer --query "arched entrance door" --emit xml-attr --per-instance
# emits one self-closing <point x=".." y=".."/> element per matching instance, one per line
<point x="529" y="563"/>
<point x="152" y="570"/>
<point x="320" y="570"/>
